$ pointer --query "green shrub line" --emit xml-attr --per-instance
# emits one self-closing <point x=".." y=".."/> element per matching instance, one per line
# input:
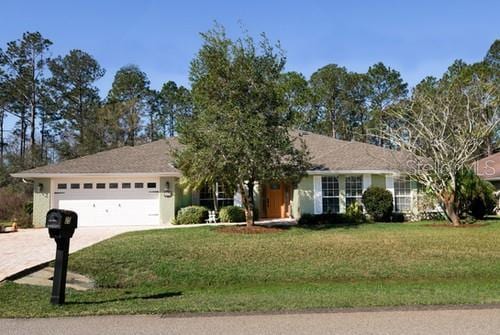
<point x="191" y="215"/>
<point x="232" y="214"/>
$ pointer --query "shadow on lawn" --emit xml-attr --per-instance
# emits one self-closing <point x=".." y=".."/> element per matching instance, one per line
<point x="135" y="297"/>
<point x="329" y="226"/>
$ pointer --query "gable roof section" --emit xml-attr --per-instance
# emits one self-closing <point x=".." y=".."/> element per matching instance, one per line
<point x="330" y="154"/>
<point x="327" y="155"/>
<point x="488" y="168"/>
<point x="150" y="158"/>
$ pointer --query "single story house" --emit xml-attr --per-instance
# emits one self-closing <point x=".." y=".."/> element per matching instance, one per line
<point x="140" y="185"/>
<point x="488" y="169"/>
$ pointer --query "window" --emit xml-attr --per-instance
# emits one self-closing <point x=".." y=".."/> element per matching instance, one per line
<point x="126" y="185"/>
<point x="207" y="197"/>
<point x="113" y="185"/>
<point x="87" y="186"/>
<point x="402" y="194"/>
<point x="151" y="185"/>
<point x="330" y="190"/>
<point x="138" y="185"/>
<point x="75" y="186"/>
<point x="62" y="186"/>
<point x="353" y="190"/>
<point x="100" y="185"/>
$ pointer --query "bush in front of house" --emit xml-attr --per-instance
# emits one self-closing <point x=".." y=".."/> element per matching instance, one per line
<point x="16" y="206"/>
<point x="476" y="196"/>
<point x="378" y="203"/>
<point x="354" y="213"/>
<point x="232" y="214"/>
<point x="309" y="220"/>
<point x="191" y="215"/>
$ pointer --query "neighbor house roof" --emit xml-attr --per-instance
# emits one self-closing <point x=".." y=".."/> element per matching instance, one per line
<point x="327" y="154"/>
<point x="488" y="168"/>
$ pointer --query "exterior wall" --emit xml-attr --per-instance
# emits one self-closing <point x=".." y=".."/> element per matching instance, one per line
<point x="183" y="198"/>
<point x="307" y="197"/>
<point x="167" y="199"/>
<point x="303" y="197"/>
<point x="41" y="201"/>
<point x="378" y="180"/>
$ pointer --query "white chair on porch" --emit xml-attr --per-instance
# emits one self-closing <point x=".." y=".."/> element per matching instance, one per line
<point x="212" y="217"/>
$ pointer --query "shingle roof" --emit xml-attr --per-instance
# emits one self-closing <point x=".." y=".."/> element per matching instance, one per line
<point x="488" y="168"/>
<point x="154" y="157"/>
<point x="327" y="154"/>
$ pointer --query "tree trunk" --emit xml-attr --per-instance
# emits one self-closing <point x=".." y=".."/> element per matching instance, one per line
<point x="450" y="209"/>
<point x="247" y="196"/>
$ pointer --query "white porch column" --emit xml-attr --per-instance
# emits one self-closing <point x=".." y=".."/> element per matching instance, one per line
<point x="318" y="195"/>
<point x="237" y="198"/>
<point x="367" y="181"/>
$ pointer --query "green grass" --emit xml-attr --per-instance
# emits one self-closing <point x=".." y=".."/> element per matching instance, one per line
<point x="202" y="270"/>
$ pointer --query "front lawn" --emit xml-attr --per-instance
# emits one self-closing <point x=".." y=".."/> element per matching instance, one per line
<point x="203" y="270"/>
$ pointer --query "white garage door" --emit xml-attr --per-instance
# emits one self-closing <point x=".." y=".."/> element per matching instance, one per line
<point x="110" y="202"/>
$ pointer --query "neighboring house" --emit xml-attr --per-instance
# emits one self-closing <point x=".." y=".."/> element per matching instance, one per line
<point x="488" y="169"/>
<point x="140" y="185"/>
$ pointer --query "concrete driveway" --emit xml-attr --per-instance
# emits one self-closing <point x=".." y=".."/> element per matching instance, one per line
<point x="31" y="247"/>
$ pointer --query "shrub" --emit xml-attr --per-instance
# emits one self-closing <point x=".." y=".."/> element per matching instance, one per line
<point x="232" y="214"/>
<point x="378" y="203"/>
<point x="191" y="215"/>
<point x="328" y="219"/>
<point x="354" y="213"/>
<point x="475" y="196"/>
<point x="13" y="202"/>
<point x="397" y="217"/>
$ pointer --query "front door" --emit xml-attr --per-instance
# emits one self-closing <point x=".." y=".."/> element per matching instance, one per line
<point x="275" y="200"/>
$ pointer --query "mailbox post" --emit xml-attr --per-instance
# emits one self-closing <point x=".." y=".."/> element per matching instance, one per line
<point x="61" y="225"/>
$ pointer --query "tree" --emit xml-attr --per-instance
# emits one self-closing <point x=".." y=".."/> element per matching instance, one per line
<point x="76" y="100"/>
<point x="236" y="135"/>
<point x="441" y="130"/>
<point x="129" y="94"/>
<point x="24" y="62"/>
<point x="339" y="98"/>
<point x="385" y="88"/>
<point x="297" y="96"/>
<point x="175" y="102"/>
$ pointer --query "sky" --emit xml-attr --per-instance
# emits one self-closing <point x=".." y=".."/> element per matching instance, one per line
<point x="417" y="38"/>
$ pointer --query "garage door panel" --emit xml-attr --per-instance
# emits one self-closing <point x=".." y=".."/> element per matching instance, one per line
<point x="110" y="207"/>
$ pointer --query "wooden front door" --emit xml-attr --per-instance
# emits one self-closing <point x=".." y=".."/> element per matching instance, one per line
<point x="275" y="200"/>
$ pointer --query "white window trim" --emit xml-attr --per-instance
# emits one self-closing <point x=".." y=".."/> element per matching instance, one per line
<point x="318" y="195"/>
<point x="333" y="196"/>
<point x="404" y="196"/>
<point x="357" y="197"/>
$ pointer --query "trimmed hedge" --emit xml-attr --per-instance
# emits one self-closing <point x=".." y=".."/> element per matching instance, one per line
<point x="232" y="214"/>
<point x="329" y="219"/>
<point x="191" y="215"/>
<point x="378" y="203"/>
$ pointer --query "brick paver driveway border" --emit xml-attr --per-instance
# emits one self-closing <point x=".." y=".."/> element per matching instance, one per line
<point x="29" y="248"/>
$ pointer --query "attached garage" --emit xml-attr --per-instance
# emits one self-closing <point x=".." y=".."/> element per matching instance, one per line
<point x="109" y="202"/>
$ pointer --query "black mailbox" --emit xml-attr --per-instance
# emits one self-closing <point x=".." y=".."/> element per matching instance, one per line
<point x="61" y="223"/>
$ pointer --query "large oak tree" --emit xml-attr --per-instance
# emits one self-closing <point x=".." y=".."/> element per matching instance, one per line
<point x="237" y="135"/>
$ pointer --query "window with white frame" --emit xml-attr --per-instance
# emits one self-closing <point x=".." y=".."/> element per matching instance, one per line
<point x="353" y="189"/>
<point x="402" y="194"/>
<point x="207" y="197"/>
<point x="330" y="193"/>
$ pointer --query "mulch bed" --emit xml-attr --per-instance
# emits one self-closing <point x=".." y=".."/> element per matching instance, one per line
<point x="465" y="225"/>
<point x="250" y="230"/>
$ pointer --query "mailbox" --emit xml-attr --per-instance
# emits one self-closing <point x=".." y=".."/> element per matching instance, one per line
<point x="61" y="223"/>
